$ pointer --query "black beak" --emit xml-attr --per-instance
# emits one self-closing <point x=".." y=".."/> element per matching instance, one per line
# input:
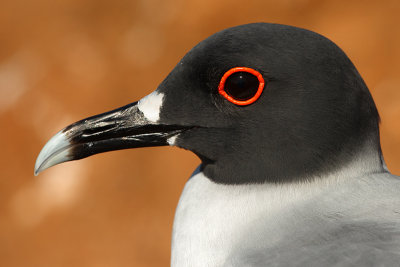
<point x="122" y="128"/>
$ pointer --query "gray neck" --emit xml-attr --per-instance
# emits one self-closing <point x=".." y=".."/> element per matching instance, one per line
<point x="212" y="219"/>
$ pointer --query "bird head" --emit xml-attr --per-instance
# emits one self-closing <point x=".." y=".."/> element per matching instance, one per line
<point x="257" y="103"/>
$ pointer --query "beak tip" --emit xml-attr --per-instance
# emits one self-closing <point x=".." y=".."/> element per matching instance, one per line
<point x="54" y="152"/>
<point x="38" y="169"/>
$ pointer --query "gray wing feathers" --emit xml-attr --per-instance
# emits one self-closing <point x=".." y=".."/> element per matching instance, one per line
<point x="359" y="226"/>
<point x="364" y="244"/>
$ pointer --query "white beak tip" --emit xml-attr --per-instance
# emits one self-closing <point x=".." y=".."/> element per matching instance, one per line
<point x="54" y="152"/>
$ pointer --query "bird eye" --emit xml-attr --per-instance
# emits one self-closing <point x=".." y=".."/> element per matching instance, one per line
<point x="241" y="86"/>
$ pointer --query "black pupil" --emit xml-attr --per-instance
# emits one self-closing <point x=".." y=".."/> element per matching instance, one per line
<point x="241" y="85"/>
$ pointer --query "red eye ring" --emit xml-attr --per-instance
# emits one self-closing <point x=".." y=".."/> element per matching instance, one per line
<point x="221" y="86"/>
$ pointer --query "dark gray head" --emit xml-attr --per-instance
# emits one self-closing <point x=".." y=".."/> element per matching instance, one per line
<point x="314" y="114"/>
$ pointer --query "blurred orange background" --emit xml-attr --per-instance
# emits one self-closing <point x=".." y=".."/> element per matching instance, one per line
<point x="61" y="61"/>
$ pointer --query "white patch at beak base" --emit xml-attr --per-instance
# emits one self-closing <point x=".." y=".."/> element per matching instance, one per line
<point x="150" y="106"/>
<point x="171" y="140"/>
